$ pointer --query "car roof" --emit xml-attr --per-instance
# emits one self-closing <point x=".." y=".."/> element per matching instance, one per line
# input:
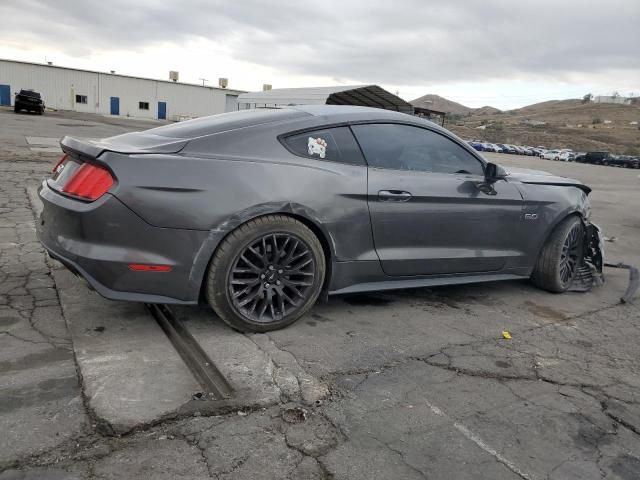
<point x="345" y="110"/>
<point x="353" y="113"/>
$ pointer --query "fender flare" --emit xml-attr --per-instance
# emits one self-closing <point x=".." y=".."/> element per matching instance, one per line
<point x="559" y="219"/>
<point x="219" y="232"/>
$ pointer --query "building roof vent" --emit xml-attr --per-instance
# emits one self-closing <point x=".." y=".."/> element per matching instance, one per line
<point x="223" y="82"/>
<point x="266" y="87"/>
<point x="173" y="75"/>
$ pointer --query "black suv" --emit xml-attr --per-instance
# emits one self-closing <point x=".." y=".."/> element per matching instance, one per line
<point x="30" y="101"/>
<point x="624" y="161"/>
<point x="599" y="158"/>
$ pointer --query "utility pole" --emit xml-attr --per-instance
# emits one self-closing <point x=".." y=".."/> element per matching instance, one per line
<point x="203" y="80"/>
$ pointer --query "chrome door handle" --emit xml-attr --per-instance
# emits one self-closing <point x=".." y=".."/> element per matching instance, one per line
<point x="393" y="196"/>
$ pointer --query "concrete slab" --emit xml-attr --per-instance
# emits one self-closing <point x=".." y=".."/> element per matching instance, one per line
<point x="46" y="141"/>
<point x="260" y="373"/>
<point x="45" y="149"/>
<point x="133" y="377"/>
<point x="131" y="374"/>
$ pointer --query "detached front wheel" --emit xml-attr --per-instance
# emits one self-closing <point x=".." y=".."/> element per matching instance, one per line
<point x="560" y="257"/>
<point x="266" y="274"/>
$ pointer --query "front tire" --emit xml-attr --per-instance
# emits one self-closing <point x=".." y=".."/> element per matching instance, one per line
<point x="558" y="262"/>
<point x="266" y="274"/>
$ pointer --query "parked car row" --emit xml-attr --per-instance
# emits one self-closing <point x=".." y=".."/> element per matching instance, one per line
<point x="559" y="154"/>
<point x="596" y="158"/>
<point x="605" y="158"/>
<point x="505" y="148"/>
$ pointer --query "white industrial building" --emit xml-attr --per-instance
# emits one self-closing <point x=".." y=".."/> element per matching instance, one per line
<point x="363" y="95"/>
<point x="613" y="99"/>
<point x="112" y="94"/>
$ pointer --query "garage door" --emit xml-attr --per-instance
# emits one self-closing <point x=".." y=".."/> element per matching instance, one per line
<point x="5" y="95"/>
<point x="231" y="103"/>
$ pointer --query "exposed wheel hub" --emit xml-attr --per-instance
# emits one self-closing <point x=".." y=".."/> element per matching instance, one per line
<point x="569" y="256"/>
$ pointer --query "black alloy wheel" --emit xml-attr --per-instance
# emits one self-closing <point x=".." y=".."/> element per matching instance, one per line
<point x="272" y="276"/>
<point x="266" y="274"/>
<point x="569" y="256"/>
<point x="561" y="256"/>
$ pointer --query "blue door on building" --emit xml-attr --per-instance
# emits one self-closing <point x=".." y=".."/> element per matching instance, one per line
<point x="5" y="95"/>
<point x="115" y="105"/>
<point x="162" y="110"/>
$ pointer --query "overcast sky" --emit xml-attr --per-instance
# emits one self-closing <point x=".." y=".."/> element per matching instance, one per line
<point x="505" y="53"/>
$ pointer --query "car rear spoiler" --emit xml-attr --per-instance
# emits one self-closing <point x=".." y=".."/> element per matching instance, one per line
<point x="131" y="143"/>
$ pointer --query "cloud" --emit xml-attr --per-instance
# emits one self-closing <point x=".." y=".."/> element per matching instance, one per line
<point x="413" y="42"/>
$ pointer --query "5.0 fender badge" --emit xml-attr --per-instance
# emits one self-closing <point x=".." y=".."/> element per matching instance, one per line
<point x="530" y="216"/>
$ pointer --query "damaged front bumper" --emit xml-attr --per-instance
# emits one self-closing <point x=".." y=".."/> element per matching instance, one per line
<point x="594" y="248"/>
<point x="589" y="272"/>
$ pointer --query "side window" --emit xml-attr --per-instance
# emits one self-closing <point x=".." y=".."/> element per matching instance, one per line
<point x="336" y="144"/>
<point x="404" y="147"/>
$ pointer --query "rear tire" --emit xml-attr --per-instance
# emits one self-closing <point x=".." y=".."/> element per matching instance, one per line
<point x="557" y="264"/>
<point x="266" y="274"/>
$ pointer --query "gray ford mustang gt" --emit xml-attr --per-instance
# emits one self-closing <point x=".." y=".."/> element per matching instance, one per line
<point x="261" y="212"/>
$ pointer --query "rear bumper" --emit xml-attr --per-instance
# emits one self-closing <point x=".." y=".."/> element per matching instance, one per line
<point x="98" y="240"/>
<point x="36" y="107"/>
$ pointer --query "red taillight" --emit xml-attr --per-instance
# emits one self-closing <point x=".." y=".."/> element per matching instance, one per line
<point x="60" y="162"/>
<point x="89" y="182"/>
<point x="142" y="267"/>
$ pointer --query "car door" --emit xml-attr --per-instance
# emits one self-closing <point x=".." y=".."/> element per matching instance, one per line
<point x="430" y="213"/>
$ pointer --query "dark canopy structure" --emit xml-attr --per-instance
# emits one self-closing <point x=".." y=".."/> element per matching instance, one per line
<point x="362" y="95"/>
<point x="433" y="115"/>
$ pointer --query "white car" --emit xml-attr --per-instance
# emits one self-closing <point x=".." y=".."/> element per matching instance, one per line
<point x="566" y="156"/>
<point x="551" y="155"/>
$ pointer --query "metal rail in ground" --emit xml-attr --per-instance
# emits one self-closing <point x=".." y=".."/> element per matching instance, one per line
<point x="202" y="367"/>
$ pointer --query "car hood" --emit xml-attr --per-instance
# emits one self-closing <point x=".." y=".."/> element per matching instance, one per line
<point x="539" y="177"/>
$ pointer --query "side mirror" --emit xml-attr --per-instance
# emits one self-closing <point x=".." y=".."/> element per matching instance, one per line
<point x="493" y="172"/>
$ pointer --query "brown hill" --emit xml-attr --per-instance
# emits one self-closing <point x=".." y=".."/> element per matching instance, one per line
<point x="486" y="110"/>
<point x="558" y="124"/>
<point x="436" y="102"/>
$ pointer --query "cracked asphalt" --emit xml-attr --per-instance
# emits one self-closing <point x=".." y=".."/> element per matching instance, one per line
<point x="417" y="383"/>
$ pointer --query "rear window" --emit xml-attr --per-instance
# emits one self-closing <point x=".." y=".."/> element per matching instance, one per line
<point x="225" y="121"/>
<point x="29" y="93"/>
<point x="335" y="144"/>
